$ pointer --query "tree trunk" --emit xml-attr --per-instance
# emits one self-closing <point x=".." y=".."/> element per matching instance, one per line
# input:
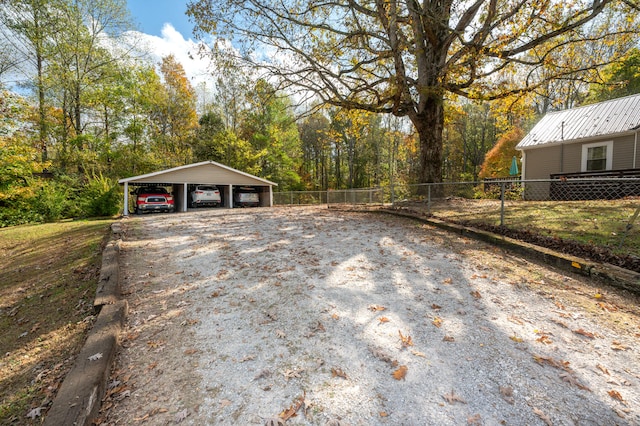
<point x="429" y="123"/>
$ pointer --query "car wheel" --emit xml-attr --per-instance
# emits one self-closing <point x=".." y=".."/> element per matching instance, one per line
<point x="138" y="211"/>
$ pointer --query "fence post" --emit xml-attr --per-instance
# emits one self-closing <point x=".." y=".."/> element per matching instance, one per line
<point x="502" y="204"/>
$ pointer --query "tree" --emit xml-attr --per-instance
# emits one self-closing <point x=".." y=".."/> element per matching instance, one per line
<point x="619" y="79"/>
<point x="28" y="27"/>
<point x="497" y="162"/>
<point x="403" y="56"/>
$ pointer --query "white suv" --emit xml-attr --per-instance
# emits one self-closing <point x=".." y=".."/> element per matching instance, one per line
<point x="205" y="195"/>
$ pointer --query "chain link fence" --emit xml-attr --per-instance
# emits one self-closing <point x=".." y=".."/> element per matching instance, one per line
<point x="601" y="212"/>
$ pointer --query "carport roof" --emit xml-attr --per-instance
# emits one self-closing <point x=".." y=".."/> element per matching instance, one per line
<point x="206" y="172"/>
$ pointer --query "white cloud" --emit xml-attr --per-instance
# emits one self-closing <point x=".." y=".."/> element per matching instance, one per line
<point x="186" y="52"/>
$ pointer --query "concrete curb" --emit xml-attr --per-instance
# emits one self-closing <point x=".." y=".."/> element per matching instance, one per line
<point x="78" y="400"/>
<point x="612" y="275"/>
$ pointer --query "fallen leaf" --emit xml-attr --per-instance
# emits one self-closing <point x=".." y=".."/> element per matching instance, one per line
<point x="507" y="394"/>
<point x="295" y="373"/>
<point x="516" y="339"/>
<point x="191" y="351"/>
<point x="476" y="294"/>
<point x="405" y="340"/>
<point x="617" y="346"/>
<point x="582" y="332"/>
<point x="544" y="339"/>
<point x="603" y="369"/>
<point x="448" y="339"/>
<point x="437" y="321"/>
<point x="225" y="403"/>
<point x="570" y="378"/>
<point x="435" y="307"/>
<point x="383" y="414"/>
<point x="337" y="372"/>
<point x="418" y="353"/>
<point x="545" y="418"/>
<point x="562" y="365"/>
<point x="335" y="317"/>
<point x="448" y="281"/>
<point x="514" y="319"/>
<point x="452" y="398"/>
<point x="615" y="395"/>
<point x="281" y="334"/>
<point x="400" y="373"/>
<point x="383" y="319"/>
<point x="376" y="308"/>
<point x="293" y="409"/>
<point x="560" y="305"/>
<point x="95" y="357"/>
<point x="474" y="420"/>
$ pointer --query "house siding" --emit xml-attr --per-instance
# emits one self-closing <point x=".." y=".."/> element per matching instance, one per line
<point x="542" y="162"/>
<point x="623" y="152"/>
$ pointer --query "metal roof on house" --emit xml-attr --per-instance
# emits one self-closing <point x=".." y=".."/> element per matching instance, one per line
<point x="605" y="118"/>
<point x="204" y="172"/>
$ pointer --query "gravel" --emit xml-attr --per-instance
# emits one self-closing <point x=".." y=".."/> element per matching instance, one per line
<point x="318" y="317"/>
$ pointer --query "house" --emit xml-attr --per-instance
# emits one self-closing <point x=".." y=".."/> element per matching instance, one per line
<point x="598" y="140"/>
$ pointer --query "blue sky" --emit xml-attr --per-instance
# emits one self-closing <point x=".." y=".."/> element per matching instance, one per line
<point x="151" y="15"/>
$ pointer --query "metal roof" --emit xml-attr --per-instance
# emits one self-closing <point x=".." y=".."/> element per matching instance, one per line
<point x="204" y="172"/>
<point x="605" y="118"/>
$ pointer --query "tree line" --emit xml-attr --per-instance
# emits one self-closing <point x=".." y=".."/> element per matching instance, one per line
<point x="89" y="109"/>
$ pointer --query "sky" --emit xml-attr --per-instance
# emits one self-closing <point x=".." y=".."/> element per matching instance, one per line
<point x="152" y="15"/>
<point x="165" y="29"/>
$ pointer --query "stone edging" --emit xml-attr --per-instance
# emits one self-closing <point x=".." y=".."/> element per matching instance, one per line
<point x="79" y="398"/>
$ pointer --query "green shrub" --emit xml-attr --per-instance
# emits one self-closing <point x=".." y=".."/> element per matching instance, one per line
<point x="100" y="197"/>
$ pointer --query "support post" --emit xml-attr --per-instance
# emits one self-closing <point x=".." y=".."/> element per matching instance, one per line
<point x="125" y="211"/>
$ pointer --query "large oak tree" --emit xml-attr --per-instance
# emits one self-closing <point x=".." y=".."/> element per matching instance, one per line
<point x="406" y="57"/>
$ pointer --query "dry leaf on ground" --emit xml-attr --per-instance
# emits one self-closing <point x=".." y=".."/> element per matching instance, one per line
<point x="400" y="373"/>
<point x="452" y="398"/>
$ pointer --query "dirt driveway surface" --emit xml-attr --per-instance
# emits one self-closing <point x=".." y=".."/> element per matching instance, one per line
<point x="326" y="317"/>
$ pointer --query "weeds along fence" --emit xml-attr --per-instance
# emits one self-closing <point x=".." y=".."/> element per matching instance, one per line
<point x="603" y="212"/>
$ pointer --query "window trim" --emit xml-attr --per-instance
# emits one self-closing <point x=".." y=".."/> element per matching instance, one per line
<point x="585" y="152"/>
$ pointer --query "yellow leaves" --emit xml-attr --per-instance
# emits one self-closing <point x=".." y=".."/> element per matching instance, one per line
<point x="400" y="373"/>
<point x="516" y="339"/>
<point x="335" y="317"/>
<point x="405" y="340"/>
<point x="437" y="321"/>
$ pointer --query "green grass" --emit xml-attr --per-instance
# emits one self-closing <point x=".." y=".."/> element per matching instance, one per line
<point x="49" y="274"/>
<point x="601" y="223"/>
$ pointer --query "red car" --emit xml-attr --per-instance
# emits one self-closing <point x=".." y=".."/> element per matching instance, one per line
<point x="153" y="199"/>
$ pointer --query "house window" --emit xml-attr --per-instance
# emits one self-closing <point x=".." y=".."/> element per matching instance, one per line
<point x="597" y="156"/>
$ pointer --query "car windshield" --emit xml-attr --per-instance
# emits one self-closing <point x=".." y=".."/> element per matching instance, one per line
<point x="153" y="190"/>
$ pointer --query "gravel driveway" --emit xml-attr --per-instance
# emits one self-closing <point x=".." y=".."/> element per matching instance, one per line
<point x="321" y="317"/>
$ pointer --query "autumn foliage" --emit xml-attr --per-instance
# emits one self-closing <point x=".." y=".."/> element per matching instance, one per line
<point x="497" y="162"/>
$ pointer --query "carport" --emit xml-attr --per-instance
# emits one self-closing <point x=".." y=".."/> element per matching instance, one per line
<point x="204" y="173"/>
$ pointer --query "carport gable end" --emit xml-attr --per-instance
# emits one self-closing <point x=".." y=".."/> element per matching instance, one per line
<point x="206" y="172"/>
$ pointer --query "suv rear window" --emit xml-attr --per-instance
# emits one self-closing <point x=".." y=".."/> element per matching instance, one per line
<point x="207" y="188"/>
